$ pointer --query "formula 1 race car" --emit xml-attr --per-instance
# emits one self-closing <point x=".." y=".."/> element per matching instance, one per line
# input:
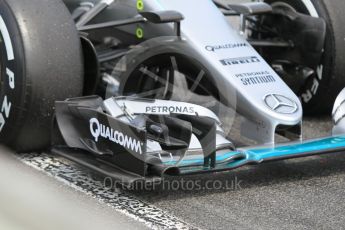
<point x="139" y="89"/>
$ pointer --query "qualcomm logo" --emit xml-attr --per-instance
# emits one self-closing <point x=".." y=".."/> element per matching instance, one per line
<point x="281" y="104"/>
<point x="225" y="46"/>
<point x="99" y="130"/>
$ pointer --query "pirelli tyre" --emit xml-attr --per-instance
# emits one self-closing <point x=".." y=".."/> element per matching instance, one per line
<point x="40" y="62"/>
<point x="318" y="93"/>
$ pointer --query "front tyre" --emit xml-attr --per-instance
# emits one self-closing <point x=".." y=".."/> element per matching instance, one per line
<point x="40" y="62"/>
<point x="319" y="91"/>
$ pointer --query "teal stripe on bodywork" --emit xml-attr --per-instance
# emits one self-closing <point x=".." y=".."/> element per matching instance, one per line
<point x="259" y="155"/>
<point x="321" y="145"/>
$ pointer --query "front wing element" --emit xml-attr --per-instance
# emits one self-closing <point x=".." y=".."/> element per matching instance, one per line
<point x="134" y="139"/>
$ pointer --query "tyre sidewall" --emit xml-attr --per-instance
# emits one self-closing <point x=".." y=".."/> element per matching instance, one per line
<point x="47" y="67"/>
<point x="13" y="83"/>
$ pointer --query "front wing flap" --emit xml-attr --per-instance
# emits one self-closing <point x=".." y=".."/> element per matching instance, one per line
<point x="118" y="149"/>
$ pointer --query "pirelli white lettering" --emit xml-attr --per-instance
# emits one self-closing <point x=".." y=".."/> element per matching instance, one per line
<point x="99" y="130"/>
<point x="5" y="110"/>
<point x="6" y="107"/>
<point x="2" y="122"/>
<point x="10" y="75"/>
<point x="319" y="72"/>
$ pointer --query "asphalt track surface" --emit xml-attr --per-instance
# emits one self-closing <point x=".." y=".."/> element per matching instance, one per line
<point x="305" y="193"/>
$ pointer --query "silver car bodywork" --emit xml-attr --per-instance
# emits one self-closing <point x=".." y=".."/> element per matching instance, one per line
<point x="132" y="137"/>
<point x="243" y="78"/>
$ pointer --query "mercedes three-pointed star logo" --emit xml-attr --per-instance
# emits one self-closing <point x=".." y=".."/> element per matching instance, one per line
<point x="281" y="104"/>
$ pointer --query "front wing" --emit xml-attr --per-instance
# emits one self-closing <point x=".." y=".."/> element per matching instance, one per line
<point x="121" y="149"/>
